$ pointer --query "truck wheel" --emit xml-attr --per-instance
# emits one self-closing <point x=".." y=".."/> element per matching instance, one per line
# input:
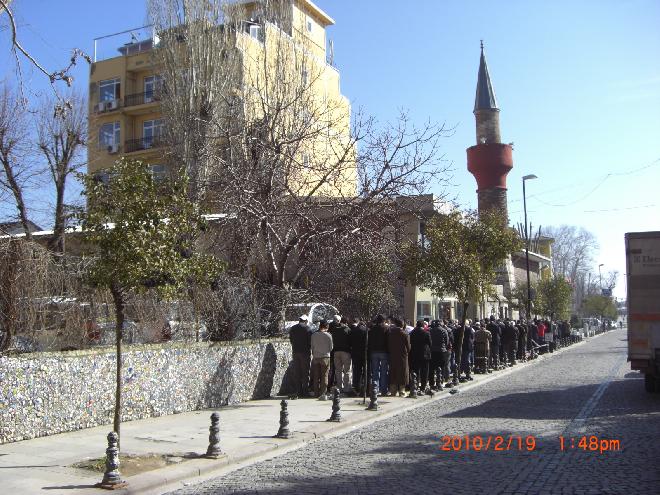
<point x="649" y="383"/>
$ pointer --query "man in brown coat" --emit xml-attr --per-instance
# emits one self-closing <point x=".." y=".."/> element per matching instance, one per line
<point x="398" y="342"/>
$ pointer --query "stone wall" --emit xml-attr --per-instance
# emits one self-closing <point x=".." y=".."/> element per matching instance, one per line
<point x="48" y="393"/>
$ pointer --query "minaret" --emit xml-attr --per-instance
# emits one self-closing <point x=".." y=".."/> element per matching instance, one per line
<point x="490" y="160"/>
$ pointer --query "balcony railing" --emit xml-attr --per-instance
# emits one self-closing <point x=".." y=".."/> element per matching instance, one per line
<point x="144" y="143"/>
<point x="141" y="98"/>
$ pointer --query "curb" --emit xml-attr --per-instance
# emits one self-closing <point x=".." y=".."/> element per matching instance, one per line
<point x="199" y="470"/>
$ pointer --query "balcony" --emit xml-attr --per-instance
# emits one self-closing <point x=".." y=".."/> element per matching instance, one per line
<point x="141" y="98"/>
<point x="145" y="143"/>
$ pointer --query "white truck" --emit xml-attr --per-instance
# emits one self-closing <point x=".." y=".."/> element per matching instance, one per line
<point x="643" y="278"/>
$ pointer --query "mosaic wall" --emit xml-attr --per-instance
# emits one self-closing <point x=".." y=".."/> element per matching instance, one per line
<point x="48" y="393"/>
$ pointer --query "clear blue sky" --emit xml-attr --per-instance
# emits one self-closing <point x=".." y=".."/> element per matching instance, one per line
<point x="578" y="84"/>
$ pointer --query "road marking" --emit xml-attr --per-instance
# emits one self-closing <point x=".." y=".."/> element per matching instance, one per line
<point x="577" y="424"/>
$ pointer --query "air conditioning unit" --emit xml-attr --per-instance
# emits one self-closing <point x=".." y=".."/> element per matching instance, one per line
<point x="113" y="105"/>
<point x="101" y="106"/>
<point x="113" y="148"/>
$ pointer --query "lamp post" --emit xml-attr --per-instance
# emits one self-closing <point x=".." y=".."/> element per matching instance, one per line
<point x="600" y="283"/>
<point x="529" y="288"/>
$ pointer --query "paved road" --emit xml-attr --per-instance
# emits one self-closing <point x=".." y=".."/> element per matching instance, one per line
<point x="586" y="390"/>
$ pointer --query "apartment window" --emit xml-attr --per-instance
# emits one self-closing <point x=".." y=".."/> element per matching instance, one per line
<point x="304" y="77"/>
<point x="152" y="87"/>
<point x="102" y="177"/>
<point x="109" y="135"/>
<point x="109" y="89"/>
<point x="151" y="131"/>
<point x="309" y="25"/>
<point x="423" y="310"/>
<point x="306" y="160"/>
<point x="255" y="32"/>
<point x="157" y="172"/>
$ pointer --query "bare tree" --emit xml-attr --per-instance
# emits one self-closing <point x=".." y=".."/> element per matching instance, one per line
<point x="16" y="170"/>
<point x="20" y="51"/>
<point x="61" y="137"/>
<point x="573" y="250"/>
<point x="254" y="113"/>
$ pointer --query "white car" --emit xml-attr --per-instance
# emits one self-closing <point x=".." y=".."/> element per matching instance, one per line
<point x="315" y="312"/>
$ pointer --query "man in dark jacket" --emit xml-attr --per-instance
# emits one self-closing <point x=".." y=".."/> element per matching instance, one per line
<point x="300" y="337"/>
<point x="522" y="341"/>
<point x="495" y="332"/>
<point x="420" y="354"/>
<point x="439" y="355"/>
<point x="378" y="354"/>
<point x="357" y="337"/>
<point x="467" y="351"/>
<point x="510" y="342"/>
<point x="341" y="351"/>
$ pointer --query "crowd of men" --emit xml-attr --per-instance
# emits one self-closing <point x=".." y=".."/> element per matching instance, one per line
<point x="388" y="351"/>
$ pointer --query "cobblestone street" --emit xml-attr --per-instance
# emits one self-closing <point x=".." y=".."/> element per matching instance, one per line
<point x="587" y="390"/>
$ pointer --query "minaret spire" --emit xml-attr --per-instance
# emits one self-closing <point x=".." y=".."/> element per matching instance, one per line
<point x="485" y="96"/>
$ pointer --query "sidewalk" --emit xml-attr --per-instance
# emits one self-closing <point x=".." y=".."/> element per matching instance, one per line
<point x="246" y="433"/>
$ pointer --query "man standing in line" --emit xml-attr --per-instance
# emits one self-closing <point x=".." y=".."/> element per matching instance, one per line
<point x="357" y="336"/>
<point x="341" y="355"/>
<point x="300" y="337"/>
<point x="494" y="329"/>
<point x="420" y="354"/>
<point x="321" y="348"/>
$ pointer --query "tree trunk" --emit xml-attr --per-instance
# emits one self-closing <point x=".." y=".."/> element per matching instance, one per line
<point x="458" y="341"/>
<point x="17" y="192"/>
<point x="56" y="243"/>
<point x="120" y="304"/>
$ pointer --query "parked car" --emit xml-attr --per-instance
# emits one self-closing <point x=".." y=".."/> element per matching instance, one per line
<point x="315" y="312"/>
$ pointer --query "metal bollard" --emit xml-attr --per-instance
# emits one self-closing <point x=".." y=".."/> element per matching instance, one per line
<point x="373" y="398"/>
<point x="112" y="478"/>
<point x="284" y="432"/>
<point x="214" y="451"/>
<point x="413" y="386"/>
<point x="336" y="414"/>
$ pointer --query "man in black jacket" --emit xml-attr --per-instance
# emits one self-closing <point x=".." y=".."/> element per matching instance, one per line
<point x="357" y="336"/>
<point x="341" y="355"/>
<point x="439" y="355"/>
<point x="300" y="337"/>
<point x="420" y="354"/>
<point x="494" y="330"/>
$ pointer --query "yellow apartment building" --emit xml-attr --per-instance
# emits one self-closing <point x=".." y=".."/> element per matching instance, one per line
<point x="126" y="82"/>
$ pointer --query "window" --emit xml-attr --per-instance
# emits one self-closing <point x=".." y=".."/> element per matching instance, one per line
<point x="423" y="310"/>
<point x="151" y="131"/>
<point x="109" y="135"/>
<point x="102" y="177"/>
<point x="152" y="88"/>
<point x="255" y="31"/>
<point x="157" y="172"/>
<point x="109" y="89"/>
<point x="305" y="160"/>
<point x="304" y="77"/>
<point x="309" y="25"/>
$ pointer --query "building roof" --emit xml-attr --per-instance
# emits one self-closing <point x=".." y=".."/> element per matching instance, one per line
<point x="13" y="228"/>
<point x="485" y="97"/>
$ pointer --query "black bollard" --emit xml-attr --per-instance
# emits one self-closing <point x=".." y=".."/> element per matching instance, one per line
<point x="413" y="386"/>
<point x="284" y="432"/>
<point x="111" y="478"/>
<point x="373" y="398"/>
<point x="214" y="451"/>
<point x="336" y="415"/>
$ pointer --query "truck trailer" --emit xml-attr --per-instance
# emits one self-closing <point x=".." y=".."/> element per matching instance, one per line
<point x="643" y="295"/>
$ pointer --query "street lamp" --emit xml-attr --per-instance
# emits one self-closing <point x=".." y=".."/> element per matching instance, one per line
<point x="600" y="278"/>
<point x="529" y="288"/>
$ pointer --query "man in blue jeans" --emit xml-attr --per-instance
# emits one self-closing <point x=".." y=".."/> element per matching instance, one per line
<point x="378" y="354"/>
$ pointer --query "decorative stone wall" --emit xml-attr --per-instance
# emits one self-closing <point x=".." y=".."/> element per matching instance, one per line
<point x="48" y="393"/>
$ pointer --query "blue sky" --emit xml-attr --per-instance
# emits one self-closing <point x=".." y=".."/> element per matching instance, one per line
<point x="578" y="84"/>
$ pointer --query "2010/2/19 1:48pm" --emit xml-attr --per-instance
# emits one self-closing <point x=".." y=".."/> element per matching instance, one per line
<point x="589" y="444"/>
